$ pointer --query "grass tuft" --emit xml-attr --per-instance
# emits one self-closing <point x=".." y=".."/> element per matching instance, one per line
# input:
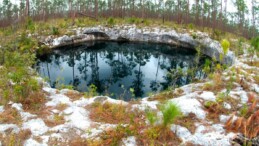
<point x="170" y="112"/>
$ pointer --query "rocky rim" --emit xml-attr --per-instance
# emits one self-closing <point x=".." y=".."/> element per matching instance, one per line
<point x="190" y="100"/>
<point x="193" y="40"/>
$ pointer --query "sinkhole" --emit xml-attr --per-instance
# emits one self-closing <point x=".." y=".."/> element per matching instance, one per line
<point x="121" y="70"/>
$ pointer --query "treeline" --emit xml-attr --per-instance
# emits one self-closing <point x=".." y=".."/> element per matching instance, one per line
<point x="204" y="13"/>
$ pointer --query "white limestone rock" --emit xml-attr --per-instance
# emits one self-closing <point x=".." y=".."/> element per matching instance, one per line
<point x="77" y="118"/>
<point x="58" y="99"/>
<point x="226" y="105"/>
<point x="4" y="127"/>
<point x="62" y="40"/>
<point x="37" y="126"/>
<point x="208" y="96"/>
<point x="129" y="141"/>
<point x="181" y="132"/>
<point x="32" y="142"/>
<point x="188" y="104"/>
<point x="1" y="109"/>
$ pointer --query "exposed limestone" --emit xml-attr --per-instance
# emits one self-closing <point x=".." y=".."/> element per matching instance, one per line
<point x="191" y="99"/>
<point x="195" y="40"/>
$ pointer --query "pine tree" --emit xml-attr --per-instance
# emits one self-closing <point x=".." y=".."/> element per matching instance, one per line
<point x="241" y="11"/>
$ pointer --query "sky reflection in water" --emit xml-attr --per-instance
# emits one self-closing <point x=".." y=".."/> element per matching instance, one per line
<point x="115" y="68"/>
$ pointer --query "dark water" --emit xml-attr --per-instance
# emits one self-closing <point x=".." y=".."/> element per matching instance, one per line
<point x="121" y="70"/>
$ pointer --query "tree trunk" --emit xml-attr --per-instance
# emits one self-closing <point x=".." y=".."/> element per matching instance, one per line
<point x="27" y="8"/>
<point x="197" y="12"/>
<point x="253" y="17"/>
<point x="142" y="7"/>
<point x="96" y="9"/>
<point x="226" y="3"/>
<point x="188" y="12"/>
<point x="221" y="13"/>
<point x="133" y="8"/>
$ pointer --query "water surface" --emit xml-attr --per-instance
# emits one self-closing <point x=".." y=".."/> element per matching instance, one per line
<point x="121" y="70"/>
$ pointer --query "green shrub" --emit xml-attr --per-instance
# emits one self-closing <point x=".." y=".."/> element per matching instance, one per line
<point x="221" y="97"/>
<point x="225" y="45"/>
<point x="209" y="104"/>
<point x="217" y="34"/>
<point x="170" y="112"/>
<point x="151" y="116"/>
<point x="16" y="79"/>
<point x="207" y="67"/>
<point x="26" y="44"/>
<point x="146" y="22"/>
<point x="55" y="31"/>
<point x="92" y="91"/>
<point x="30" y="25"/>
<point x="60" y="84"/>
<point x="134" y="20"/>
<point x="240" y="50"/>
<point x="43" y="49"/>
<point x="190" y="26"/>
<point x="131" y="20"/>
<point x="255" y="43"/>
<point x="194" y="36"/>
<point x="80" y="22"/>
<point x="244" y="110"/>
<point x="111" y="21"/>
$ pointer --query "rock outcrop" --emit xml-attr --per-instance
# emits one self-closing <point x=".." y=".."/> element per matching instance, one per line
<point x="207" y="46"/>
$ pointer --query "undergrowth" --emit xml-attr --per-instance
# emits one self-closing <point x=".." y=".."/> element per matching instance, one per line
<point x="133" y="123"/>
<point x="248" y="121"/>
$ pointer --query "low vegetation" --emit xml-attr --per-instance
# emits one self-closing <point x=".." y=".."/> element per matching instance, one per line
<point x="13" y="139"/>
<point x="11" y="115"/>
<point x="247" y="122"/>
<point x="133" y="123"/>
<point x="225" y="45"/>
<point x="113" y="113"/>
<point x="18" y="84"/>
<point x="170" y="112"/>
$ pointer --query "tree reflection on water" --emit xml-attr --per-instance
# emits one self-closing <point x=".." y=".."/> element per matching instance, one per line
<point x="141" y="67"/>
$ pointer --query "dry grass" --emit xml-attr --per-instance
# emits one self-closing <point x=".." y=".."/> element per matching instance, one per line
<point x="61" y="106"/>
<point x="57" y="120"/>
<point x="78" y="142"/>
<point x="216" y="85"/>
<point x="113" y="113"/>
<point x="188" y="122"/>
<point x="245" y="84"/>
<point x="73" y="95"/>
<point x="256" y="78"/>
<point x="215" y="109"/>
<point x="114" y="136"/>
<point x="135" y="126"/>
<point x="253" y="63"/>
<point x="166" y="95"/>
<point x="147" y="135"/>
<point x="248" y="123"/>
<point x="158" y="136"/>
<point x="24" y="134"/>
<point x="10" y="116"/>
<point x="72" y="138"/>
<point x="13" y="139"/>
<point x="35" y="102"/>
<point x="247" y="126"/>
